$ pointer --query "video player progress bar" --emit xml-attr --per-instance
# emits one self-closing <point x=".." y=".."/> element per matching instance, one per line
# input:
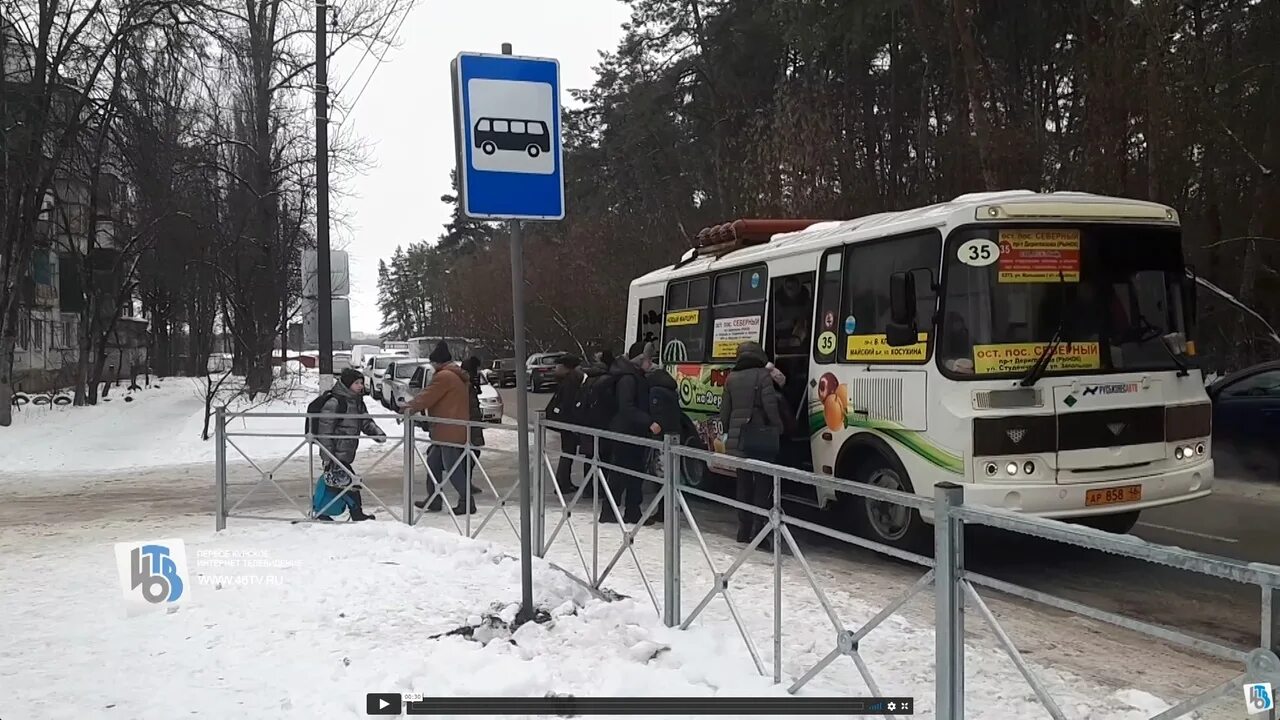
<point x="570" y="706"/>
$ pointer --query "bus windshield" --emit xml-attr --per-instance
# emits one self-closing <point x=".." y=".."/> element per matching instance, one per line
<point x="1112" y="291"/>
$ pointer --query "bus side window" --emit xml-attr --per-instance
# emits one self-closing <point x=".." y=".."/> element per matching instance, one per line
<point x="825" y="335"/>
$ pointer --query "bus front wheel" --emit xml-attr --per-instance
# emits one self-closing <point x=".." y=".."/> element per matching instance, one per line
<point x="894" y="525"/>
<point x="488" y="148"/>
<point x="533" y="151"/>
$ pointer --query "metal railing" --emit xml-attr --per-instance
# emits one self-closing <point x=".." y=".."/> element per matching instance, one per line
<point x="955" y="588"/>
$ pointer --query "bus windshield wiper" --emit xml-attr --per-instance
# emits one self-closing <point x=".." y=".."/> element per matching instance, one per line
<point x="1046" y="356"/>
<point x="1041" y="365"/>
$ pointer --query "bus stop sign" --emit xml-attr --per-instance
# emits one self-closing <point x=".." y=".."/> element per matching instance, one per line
<point x="507" y="135"/>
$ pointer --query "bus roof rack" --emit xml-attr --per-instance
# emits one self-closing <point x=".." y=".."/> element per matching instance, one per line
<point x="726" y="237"/>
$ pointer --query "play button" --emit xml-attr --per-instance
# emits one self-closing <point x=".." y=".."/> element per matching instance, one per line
<point x="382" y="704"/>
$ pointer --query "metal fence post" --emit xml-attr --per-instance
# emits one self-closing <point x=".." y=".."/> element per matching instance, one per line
<point x="409" y="466"/>
<point x="220" y="465"/>
<point x="948" y="602"/>
<point x="1269" y="639"/>
<point x="538" y="478"/>
<point x="671" y="613"/>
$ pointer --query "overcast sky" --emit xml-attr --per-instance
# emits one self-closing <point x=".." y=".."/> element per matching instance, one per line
<point x="406" y="114"/>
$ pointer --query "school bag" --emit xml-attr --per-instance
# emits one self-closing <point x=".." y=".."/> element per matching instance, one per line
<point x="317" y="406"/>
<point x="664" y="408"/>
<point x="597" y="402"/>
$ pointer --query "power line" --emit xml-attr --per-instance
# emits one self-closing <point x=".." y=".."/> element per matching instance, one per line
<point x="394" y="34"/>
<point x="368" y="48"/>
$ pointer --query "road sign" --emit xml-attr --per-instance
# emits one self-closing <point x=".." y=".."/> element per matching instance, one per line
<point x="339" y="274"/>
<point x="341" y="309"/>
<point x="507" y="133"/>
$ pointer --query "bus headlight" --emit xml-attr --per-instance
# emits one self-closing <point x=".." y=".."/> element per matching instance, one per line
<point x="1199" y="448"/>
<point x="992" y="469"/>
<point x="1177" y="453"/>
<point x="1029" y="468"/>
<point x="1011" y="468"/>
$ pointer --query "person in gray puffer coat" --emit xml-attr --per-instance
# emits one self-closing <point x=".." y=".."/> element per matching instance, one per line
<point x="751" y="415"/>
<point x="344" y="432"/>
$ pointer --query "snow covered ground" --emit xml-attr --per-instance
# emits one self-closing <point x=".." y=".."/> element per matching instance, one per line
<point x="334" y="612"/>
<point x="157" y="427"/>
<point x="347" y="609"/>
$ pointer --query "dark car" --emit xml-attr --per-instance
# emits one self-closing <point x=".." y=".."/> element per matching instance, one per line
<point x="542" y="370"/>
<point x="1246" y="422"/>
<point x="502" y="373"/>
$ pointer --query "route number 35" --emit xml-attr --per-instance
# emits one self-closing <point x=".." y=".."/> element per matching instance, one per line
<point x="978" y="252"/>
<point x="827" y="343"/>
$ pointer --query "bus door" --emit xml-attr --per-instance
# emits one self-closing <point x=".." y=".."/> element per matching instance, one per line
<point x="787" y="340"/>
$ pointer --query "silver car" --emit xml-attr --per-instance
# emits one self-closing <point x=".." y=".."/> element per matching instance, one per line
<point x="404" y="379"/>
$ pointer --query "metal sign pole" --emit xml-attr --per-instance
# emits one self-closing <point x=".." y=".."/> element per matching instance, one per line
<point x="522" y="417"/>
<point x="510" y="167"/>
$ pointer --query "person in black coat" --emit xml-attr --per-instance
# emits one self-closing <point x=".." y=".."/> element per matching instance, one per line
<point x="632" y="417"/>
<point x="562" y="408"/>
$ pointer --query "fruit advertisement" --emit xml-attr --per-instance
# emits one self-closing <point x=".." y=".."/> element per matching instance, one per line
<point x="834" y="398"/>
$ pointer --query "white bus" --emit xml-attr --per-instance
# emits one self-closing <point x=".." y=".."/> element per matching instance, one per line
<point x="1033" y="347"/>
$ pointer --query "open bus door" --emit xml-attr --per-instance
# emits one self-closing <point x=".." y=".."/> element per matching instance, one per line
<point x="787" y="341"/>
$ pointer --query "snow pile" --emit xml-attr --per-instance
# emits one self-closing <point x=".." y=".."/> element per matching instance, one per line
<point x="337" y="612"/>
<point x="161" y="426"/>
<point x="327" y="613"/>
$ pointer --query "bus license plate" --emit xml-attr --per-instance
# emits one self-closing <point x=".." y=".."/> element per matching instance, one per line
<point x="1113" y="496"/>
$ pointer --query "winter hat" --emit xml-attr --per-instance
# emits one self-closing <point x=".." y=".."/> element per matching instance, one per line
<point x="349" y="376"/>
<point x="441" y="354"/>
<point x="752" y="349"/>
<point x="638" y="351"/>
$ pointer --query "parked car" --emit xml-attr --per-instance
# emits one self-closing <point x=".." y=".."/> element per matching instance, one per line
<point x="491" y="408"/>
<point x="502" y="373"/>
<point x="404" y="379"/>
<point x="375" y="366"/>
<point x="341" y="361"/>
<point x="1246" y="422"/>
<point x="542" y="370"/>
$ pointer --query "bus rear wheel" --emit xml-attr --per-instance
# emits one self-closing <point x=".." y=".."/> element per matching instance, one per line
<point x="533" y="150"/>
<point x="488" y="148"/>
<point x="897" y="526"/>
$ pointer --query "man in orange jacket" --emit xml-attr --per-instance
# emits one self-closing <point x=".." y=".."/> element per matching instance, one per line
<point x="446" y="397"/>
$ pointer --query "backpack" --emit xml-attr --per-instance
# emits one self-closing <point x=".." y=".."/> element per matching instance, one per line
<point x="664" y="408"/>
<point x="317" y="406"/>
<point x="597" y="403"/>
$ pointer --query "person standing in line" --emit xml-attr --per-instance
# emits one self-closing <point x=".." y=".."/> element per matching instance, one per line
<point x="751" y="414"/>
<point x="340" y="437"/>
<point x="631" y="418"/>
<point x="446" y="398"/>
<point x="561" y="408"/>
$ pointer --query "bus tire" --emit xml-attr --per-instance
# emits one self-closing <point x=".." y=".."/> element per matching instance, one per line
<point x="694" y="473"/>
<point x="533" y="150"/>
<point x="893" y="525"/>
<point x="1120" y="523"/>
<point x="488" y="148"/>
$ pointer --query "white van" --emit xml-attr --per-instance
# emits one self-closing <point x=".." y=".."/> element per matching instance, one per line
<point x="360" y="353"/>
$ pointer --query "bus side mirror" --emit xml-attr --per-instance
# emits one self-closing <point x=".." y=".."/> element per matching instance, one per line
<point x="901" y="330"/>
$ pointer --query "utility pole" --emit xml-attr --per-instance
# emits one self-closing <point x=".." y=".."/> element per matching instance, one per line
<point x="324" y="289"/>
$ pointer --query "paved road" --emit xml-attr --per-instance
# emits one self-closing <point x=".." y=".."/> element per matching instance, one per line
<point x="1237" y="521"/>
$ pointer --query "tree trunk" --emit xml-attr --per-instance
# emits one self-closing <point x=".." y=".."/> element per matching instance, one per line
<point x="7" y="346"/>
<point x="976" y="80"/>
